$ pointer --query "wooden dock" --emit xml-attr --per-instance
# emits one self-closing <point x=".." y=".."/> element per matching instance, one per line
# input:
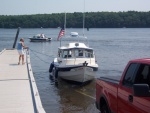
<point x="18" y="90"/>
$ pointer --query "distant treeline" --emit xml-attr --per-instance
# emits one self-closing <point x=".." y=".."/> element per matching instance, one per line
<point x="130" y="19"/>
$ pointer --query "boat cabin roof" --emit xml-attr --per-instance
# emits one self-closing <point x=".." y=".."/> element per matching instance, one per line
<point x="75" y="45"/>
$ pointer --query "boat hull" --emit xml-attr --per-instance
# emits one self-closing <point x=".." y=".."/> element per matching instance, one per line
<point x="40" y="40"/>
<point x="77" y="74"/>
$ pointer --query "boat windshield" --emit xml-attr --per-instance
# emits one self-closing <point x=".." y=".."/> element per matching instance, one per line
<point x="83" y="53"/>
<point x="75" y="53"/>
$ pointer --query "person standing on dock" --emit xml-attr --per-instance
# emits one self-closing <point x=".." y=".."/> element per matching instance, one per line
<point x="20" y="49"/>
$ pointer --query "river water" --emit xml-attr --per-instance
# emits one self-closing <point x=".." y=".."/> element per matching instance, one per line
<point x="113" y="49"/>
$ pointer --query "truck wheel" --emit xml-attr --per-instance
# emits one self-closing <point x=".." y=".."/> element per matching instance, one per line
<point x="104" y="109"/>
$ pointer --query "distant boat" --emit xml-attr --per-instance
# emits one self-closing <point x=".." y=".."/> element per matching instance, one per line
<point x="74" y="34"/>
<point x="39" y="38"/>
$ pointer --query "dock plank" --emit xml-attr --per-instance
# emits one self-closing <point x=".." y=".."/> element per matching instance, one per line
<point x="15" y="88"/>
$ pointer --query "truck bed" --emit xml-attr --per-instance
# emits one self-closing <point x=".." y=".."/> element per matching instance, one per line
<point x="112" y="79"/>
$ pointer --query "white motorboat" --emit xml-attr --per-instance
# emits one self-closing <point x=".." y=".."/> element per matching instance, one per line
<point x="39" y="38"/>
<point x="75" y="62"/>
<point x="74" y="34"/>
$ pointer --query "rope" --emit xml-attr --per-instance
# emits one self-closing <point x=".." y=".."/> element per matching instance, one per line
<point x="40" y="58"/>
<point x="40" y="53"/>
<point x="34" y="52"/>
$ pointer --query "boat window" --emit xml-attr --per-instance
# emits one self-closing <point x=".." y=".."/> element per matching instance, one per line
<point x="67" y="54"/>
<point x="79" y="53"/>
<point x="89" y="54"/>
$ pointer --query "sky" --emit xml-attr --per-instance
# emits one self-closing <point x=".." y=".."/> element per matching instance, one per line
<point x="28" y="7"/>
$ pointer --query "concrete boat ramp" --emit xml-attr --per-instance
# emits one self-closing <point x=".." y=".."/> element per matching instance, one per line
<point x="18" y="90"/>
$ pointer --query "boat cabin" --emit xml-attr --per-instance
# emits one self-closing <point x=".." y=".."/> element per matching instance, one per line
<point x="39" y="36"/>
<point x="75" y="50"/>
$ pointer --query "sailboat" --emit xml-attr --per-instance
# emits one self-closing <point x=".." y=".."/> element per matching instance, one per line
<point x="75" y="61"/>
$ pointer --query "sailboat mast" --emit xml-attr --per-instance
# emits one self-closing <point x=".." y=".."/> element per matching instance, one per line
<point x="83" y="17"/>
<point x="64" y="27"/>
<point x="65" y="24"/>
<point x="84" y="24"/>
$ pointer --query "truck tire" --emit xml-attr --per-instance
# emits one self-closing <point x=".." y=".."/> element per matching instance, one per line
<point x="104" y="109"/>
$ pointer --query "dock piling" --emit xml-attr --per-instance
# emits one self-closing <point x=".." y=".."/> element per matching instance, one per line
<point x="18" y="30"/>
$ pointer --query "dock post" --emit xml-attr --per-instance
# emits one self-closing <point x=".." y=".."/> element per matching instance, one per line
<point x="16" y="37"/>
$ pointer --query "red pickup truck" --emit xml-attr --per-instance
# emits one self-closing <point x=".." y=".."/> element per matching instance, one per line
<point x="129" y="94"/>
